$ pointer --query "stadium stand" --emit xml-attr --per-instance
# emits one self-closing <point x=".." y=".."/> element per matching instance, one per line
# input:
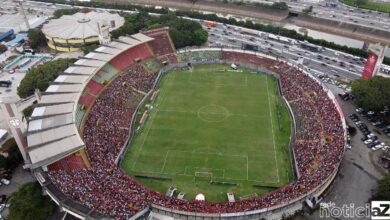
<point x="80" y="113"/>
<point x="168" y="59"/>
<point x="200" y="56"/>
<point x="133" y="55"/>
<point x="104" y="188"/>
<point x="318" y="148"/>
<point x="106" y="74"/>
<point x="72" y="162"/>
<point x="162" y="45"/>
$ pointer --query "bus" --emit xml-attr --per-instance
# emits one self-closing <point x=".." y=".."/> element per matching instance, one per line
<point x="310" y="47"/>
<point x="249" y="47"/>
<point x="249" y="31"/>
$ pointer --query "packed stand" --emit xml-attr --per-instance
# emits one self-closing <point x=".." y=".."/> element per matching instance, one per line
<point x="161" y="45"/>
<point x="106" y="188"/>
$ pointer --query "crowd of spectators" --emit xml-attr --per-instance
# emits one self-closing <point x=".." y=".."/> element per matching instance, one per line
<point x="161" y="44"/>
<point x="105" y="187"/>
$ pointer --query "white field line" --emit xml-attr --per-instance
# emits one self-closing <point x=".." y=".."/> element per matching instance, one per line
<point x="211" y="113"/>
<point x="272" y="129"/>
<point x="165" y="161"/>
<point x="247" y="168"/>
<point x="144" y="140"/>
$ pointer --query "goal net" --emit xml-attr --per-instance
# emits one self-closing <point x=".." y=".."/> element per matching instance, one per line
<point x="203" y="176"/>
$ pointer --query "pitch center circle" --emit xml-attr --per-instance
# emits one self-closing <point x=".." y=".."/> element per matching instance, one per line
<point x="213" y="113"/>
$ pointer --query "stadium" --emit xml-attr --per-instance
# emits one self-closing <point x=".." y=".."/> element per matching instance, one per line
<point x="131" y="128"/>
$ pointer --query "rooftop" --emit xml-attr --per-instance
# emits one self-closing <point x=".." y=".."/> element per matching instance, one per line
<point x="52" y="132"/>
<point x="81" y="25"/>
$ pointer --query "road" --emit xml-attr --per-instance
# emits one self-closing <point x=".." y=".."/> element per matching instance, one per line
<point x="341" y="12"/>
<point x="340" y="65"/>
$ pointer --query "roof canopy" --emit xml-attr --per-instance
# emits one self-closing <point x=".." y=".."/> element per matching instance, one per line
<point x="52" y="131"/>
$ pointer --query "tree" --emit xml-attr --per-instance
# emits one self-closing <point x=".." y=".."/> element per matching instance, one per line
<point x="14" y="157"/>
<point x="372" y="94"/>
<point x="66" y="11"/>
<point x="28" y="111"/>
<point x="183" y="32"/>
<point x="361" y="2"/>
<point x="383" y="189"/>
<point x="3" y="48"/>
<point x="90" y="48"/>
<point x="36" y="38"/>
<point x="280" y="6"/>
<point x="40" y="76"/>
<point x="28" y="203"/>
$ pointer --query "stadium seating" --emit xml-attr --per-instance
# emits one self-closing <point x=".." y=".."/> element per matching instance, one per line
<point x="161" y="45"/>
<point x="80" y="113"/>
<point x="131" y="56"/>
<point x="106" y="74"/>
<point x="318" y="147"/>
<point x="199" y="56"/>
<point x="72" y="162"/>
<point x="168" y="59"/>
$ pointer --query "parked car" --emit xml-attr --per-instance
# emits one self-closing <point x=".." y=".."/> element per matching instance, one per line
<point x="368" y="141"/>
<point x="5" y="181"/>
<point x="358" y="110"/>
<point x="3" y="199"/>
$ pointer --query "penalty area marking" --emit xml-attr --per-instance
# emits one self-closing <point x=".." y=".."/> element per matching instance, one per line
<point x="272" y="130"/>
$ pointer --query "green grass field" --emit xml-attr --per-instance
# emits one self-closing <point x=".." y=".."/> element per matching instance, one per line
<point x="214" y="124"/>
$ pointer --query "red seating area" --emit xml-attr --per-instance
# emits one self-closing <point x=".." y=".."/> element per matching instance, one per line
<point x="161" y="45"/>
<point x="72" y="162"/>
<point x="129" y="57"/>
<point x="86" y="99"/>
<point x="91" y="91"/>
<point x="168" y="59"/>
<point x="94" y="88"/>
<point x="106" y="188"/>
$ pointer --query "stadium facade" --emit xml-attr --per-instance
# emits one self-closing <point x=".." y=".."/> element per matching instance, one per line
<point x="67" y="160"/>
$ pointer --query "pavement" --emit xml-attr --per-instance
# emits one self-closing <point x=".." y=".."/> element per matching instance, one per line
<point x="19" y="177"/>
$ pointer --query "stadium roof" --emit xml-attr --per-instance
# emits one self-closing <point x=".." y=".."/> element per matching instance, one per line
<point x="81" y="25"/>
<point x="52" y="131"/>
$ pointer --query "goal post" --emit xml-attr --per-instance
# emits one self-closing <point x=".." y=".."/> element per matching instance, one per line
<point x="203" y="176"/>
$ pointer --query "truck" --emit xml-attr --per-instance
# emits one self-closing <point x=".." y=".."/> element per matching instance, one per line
<point x="210" y="24"/>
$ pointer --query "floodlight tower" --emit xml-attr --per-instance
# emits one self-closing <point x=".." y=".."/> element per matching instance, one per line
<point x="20" y="2"/>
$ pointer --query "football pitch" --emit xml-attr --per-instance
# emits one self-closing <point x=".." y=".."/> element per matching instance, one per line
<point x="213" y="130"/>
